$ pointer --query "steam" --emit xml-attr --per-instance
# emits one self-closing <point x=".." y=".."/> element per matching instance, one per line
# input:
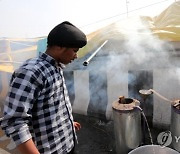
<point x="131" y="46"/>
<point x="141" y="49"/>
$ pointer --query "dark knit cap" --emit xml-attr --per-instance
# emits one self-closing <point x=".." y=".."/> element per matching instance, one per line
<point x="66" y="35"/>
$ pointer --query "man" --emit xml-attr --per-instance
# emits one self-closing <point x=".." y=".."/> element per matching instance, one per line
<point x="37" y="110"/>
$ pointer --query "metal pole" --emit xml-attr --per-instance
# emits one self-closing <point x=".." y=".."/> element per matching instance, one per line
<point x="17" y="62"/>
<point x="86" y="62"/>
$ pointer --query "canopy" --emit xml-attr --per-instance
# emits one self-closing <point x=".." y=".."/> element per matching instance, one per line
<point x="167" y="25"/>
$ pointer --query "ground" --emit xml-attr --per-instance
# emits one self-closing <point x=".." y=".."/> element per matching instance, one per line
<point x="95" y="137"/>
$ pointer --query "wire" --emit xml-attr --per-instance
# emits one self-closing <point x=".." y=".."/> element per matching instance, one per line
<point x="98" y="21"/>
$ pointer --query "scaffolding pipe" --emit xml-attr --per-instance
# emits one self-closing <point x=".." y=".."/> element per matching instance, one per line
<point x="86" y="62"/>
<point x="17" y="62"/>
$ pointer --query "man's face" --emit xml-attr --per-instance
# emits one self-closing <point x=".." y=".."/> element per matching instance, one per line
<point x="67" y="55"/>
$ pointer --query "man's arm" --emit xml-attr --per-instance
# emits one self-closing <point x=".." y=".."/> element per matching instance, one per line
<point x="17" y="110"/>
<point x="28" y="147"/>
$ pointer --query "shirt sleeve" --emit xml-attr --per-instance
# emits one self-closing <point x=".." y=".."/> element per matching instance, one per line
<point x="23" y="90"/>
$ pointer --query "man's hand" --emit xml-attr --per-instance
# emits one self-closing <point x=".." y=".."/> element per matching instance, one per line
<point x="77" y="125"/>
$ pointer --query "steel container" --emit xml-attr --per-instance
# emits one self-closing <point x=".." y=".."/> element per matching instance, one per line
<point x="127" y="124"/>
<point x="153" y="149"/>
<point x="175" y="126"/>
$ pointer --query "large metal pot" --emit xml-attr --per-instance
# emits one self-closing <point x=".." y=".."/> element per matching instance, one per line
<point x="127" y="124"/>
<point x="175" y="125"/>
<point x="153" y="149"/>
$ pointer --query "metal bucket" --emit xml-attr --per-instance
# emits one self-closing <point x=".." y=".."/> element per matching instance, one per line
<point x="175" y="127"/>
<point x="153" y="149"/>
<point x="127" y="124"/>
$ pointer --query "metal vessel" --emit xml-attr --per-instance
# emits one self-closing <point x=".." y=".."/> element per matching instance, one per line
<point x="127" y="124"/>
<point x="175" y="125"/>
<point x="153" y="149"/>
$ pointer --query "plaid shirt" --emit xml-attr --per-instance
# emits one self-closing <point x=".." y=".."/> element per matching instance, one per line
<point x="38" y="107"/>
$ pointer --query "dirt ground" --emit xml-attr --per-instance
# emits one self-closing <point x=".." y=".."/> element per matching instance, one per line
<point x="95" y="137"/>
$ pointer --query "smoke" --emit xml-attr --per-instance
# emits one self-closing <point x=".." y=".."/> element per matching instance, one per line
<point x="140" y="49"/>
<point x="177" y="73"/>
<point x="129" y="57"/>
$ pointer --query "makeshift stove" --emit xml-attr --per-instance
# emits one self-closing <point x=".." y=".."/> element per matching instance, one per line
<point x="127" y="124"/>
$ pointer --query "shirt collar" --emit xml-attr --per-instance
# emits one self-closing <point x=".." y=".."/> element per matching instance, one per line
<point x="51" y="60"/>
